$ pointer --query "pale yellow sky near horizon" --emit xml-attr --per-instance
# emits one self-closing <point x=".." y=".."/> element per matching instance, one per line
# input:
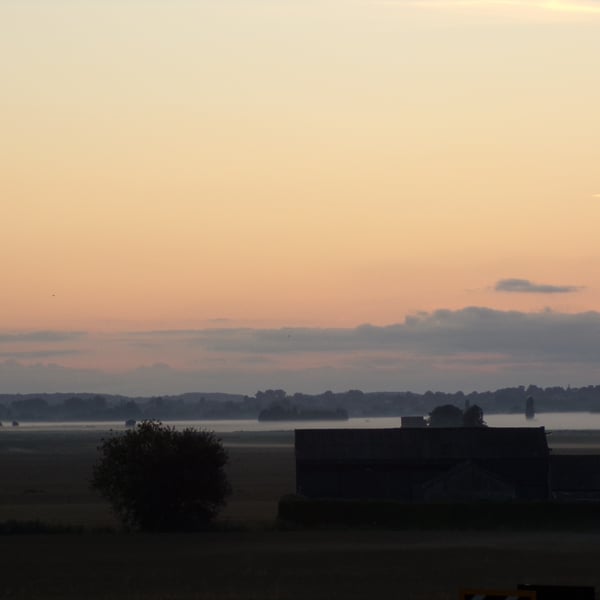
<point x="294" y="163"/>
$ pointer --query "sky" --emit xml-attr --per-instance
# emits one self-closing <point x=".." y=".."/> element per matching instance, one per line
<point x="237" y="195"/>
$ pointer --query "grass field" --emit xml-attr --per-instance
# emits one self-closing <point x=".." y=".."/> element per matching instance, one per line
<point x="45" y="476"/>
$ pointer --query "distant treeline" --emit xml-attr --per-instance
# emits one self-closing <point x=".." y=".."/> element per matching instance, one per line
<point x="91" y="407"/>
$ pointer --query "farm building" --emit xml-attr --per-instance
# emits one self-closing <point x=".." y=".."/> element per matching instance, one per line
<point x="423" y="464"/>
<point x="418" y="421"/>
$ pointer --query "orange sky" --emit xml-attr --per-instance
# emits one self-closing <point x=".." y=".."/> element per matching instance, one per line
<point x="319" y="164"/>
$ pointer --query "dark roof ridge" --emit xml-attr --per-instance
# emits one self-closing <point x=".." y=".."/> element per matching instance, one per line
<point x="417" y="443"/>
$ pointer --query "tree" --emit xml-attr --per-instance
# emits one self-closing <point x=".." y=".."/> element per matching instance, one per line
<point x="158" y="479"/>
<point x="446" y="415"/>
<point x="473" y="417"/>
<point x="30" y="409"/>
<point x="529" y="408"/>
<point x="75" y="407"/>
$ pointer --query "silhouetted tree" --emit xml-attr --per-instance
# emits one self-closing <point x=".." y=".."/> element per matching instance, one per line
<point x="158" y="479"/>
<point x="270" y="396"/>
<point x="529" y="408"/>
<point x="473" y="417"/>
<point x="30" y="409"/>
<point x="446" y="415"/>
<point x="75" y="407"/>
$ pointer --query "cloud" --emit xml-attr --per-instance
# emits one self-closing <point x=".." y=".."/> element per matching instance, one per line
<point x="24" y="354"/>
<point x="41" y="337"/>
<point x="439" y="333"/>
<point x="525" y="286"/>
<point x="527" y="10"/>
<point x="571" y="6"/>
<point x="545" y="335"/>
<point x="471" y="348"/>
<point x="560" y="6"/>
<point x="472" y="329"/>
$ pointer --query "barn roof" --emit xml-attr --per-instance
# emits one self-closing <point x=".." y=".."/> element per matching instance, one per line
<point x="421" y="444"/>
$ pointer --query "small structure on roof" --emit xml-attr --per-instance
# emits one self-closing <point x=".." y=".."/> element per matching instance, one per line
<point x="412" y="421"/>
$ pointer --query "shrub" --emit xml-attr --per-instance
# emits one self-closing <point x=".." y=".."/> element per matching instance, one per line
<point x="158" y="479"/>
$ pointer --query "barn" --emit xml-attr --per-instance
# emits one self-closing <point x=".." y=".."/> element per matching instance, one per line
<point x="423" y="464"/>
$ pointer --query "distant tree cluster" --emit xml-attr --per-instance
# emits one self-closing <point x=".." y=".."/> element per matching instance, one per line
<point x="448" y="415"/>
<point x="100" y="408"/>
<point x="88" y="407"/>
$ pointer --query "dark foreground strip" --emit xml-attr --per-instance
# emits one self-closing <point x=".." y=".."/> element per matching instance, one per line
<point x="497" y="595"/>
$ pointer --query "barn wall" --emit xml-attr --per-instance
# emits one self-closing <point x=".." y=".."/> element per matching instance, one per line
<point x="395" y="463"/>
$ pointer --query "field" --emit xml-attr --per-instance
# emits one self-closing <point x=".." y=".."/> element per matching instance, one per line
<point x="44" y="476"/>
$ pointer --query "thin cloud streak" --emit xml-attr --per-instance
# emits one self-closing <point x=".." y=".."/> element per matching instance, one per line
<point x="40" y="337"/>
<point x="24" y="354"/>
<point x="525" y="286"/>
<point x="517" y="6"/>
<point x="572" y="7"/>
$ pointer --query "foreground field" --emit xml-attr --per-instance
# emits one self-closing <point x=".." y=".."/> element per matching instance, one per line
<point x="45" y="476"/>
<point x="289" y="565"/>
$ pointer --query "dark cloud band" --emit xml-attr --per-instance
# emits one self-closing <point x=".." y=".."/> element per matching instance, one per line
<point x="471" y="348"/>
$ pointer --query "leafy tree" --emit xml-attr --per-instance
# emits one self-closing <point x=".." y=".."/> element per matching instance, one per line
<point x="473" y="417"/>
<point x="446" y="415"/>
<point x="158" y="479"/>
